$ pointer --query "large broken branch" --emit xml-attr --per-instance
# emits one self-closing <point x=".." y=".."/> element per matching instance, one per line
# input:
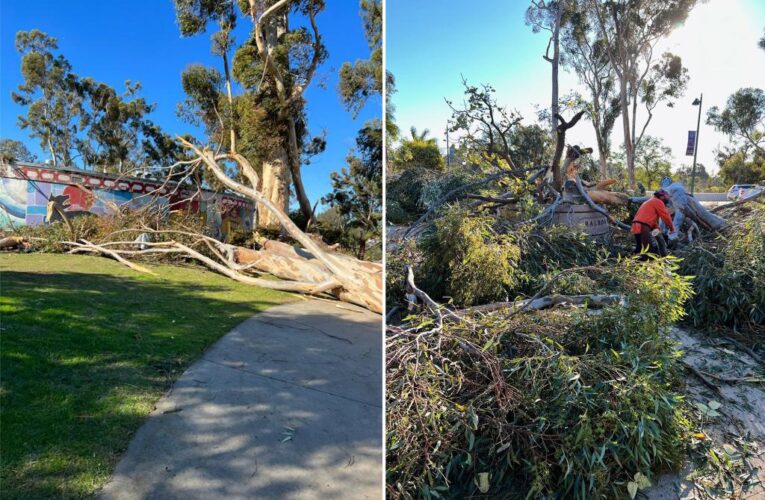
<point x="354" y="284"/>
<point x="454" y="193"/>
<point x="548" y="302"/>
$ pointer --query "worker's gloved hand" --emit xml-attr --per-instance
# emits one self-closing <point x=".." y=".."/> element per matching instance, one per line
<point x="673" y="236"/>
<point x="655" y="232"/>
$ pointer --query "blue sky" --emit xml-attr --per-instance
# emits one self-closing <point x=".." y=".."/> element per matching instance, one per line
<point x="430" y="43"/>
<point x="117" y="40"/>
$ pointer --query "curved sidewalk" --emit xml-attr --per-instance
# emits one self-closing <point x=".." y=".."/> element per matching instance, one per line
<point x="286" y="405"/>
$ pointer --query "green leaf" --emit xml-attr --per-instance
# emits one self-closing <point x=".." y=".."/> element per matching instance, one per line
<point x="714" y="404"/>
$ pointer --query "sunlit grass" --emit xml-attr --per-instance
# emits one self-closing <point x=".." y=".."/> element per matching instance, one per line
<point x="88" y="346"/>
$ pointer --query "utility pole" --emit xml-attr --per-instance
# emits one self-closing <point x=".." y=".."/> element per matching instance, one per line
<point x="696" y="102"/>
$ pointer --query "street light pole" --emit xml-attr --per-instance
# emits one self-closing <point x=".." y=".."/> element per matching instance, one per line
<point x="696" y="102"/>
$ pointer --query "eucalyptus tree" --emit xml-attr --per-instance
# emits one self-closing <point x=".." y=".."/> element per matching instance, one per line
<point x="116" y="134"/>
<point x="630" y="31"/>
<point x="266" y="122"/>
<point x="548" y="15"/>
<point x="363" y="78"/>
<point x="485" y="124"/>
<point x="357" y="189"/>
<point x="743" y="118"/>
<point x="49" y="93"/>
<point x="585" y="53"/>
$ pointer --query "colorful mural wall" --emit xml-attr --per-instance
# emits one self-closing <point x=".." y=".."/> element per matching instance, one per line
<point x="29" y="193"/>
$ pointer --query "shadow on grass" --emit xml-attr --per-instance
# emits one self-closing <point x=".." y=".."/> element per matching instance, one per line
<point x="86" y="355"/>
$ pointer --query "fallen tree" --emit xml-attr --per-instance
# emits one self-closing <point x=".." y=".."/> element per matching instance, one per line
<point x="311" y="268"/>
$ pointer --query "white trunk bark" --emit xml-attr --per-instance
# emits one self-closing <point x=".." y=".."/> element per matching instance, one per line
<point x="275" y="181"/>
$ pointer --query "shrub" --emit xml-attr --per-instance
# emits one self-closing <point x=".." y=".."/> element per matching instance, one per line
<point x="467" y="260"/>
<point x="405" y="191"/>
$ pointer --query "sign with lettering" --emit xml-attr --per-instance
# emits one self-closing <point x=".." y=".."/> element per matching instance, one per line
<point x="691" y="143"/>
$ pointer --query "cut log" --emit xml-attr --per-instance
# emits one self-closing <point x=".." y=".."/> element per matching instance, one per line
<point x="609" y="197"/>
<point x="604" y="184"/>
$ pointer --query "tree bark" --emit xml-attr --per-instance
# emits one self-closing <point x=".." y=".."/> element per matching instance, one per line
<point x="688" y="206"/>
<point x="362" y="247"/>
<point x="555" y="63"/>
<point x="297" y="179"/>
<point x="628" y="146"/>
<point x="275" y="186"/>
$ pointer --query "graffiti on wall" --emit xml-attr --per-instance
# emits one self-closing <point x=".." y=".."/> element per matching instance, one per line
<point x="26" y="201"/>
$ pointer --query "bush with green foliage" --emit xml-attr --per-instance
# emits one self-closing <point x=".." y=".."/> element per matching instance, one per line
<point x="549" y="404"/>
<point x="467" y="260"/>
<point x="729" y="278"/>
<point x="403" y="195"/>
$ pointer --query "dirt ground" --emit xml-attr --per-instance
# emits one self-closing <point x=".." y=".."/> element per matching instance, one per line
<point x="728" y="451"/>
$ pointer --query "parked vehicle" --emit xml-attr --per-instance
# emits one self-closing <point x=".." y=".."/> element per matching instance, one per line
<point x="741" y="191"/>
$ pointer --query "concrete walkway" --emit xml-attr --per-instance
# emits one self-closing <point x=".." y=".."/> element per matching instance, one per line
<point x="286" y="405"/>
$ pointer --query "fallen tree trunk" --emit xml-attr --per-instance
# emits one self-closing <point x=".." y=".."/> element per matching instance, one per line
<point x="687" y="206"/>
<point x="754" y="197"/>
<point x="281" y="266"/>
<point x="611" y="198"/>
<point x="12" y="242"/>
<point x="351" y="283"/>
<point x="547" y="302"/>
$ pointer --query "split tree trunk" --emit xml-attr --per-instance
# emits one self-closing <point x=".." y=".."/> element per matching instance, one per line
<point x="287" y="262"/>
<point x="350" y="281"/>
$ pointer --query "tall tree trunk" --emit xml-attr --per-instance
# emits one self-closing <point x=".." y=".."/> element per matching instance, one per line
<point x="602" y="153"/>
<point x="232" y="132"/>
<point x="362" y="247"/>
<point x="275" y="177"/>
<point x="274" y="184"/>
<point x="554" y="107"/>
<point x="555" y="60"/>
<point x="48" y="135"/>
<point x="297" y="179"/>
<point x="628" y="146"/>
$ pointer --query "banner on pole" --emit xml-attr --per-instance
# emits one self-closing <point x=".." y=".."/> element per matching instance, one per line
<point x="691" y="143"/>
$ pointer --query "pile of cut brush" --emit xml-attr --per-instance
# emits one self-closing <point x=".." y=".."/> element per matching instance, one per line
<point x="516" y="400"/>
<point x="728" y="269"/>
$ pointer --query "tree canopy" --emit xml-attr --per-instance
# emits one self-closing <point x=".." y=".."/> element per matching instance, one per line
<point x="742" y="118"/>
<point x="82" y="121"/>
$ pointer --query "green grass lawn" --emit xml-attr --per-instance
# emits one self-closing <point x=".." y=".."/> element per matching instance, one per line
<point x="88" y="346"/>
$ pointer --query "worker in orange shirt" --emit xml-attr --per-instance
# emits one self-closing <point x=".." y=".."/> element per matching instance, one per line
<point x="647" y="220"/>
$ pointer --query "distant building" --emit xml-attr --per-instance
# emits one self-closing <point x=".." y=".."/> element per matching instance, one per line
<point x="28" y="191"/>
